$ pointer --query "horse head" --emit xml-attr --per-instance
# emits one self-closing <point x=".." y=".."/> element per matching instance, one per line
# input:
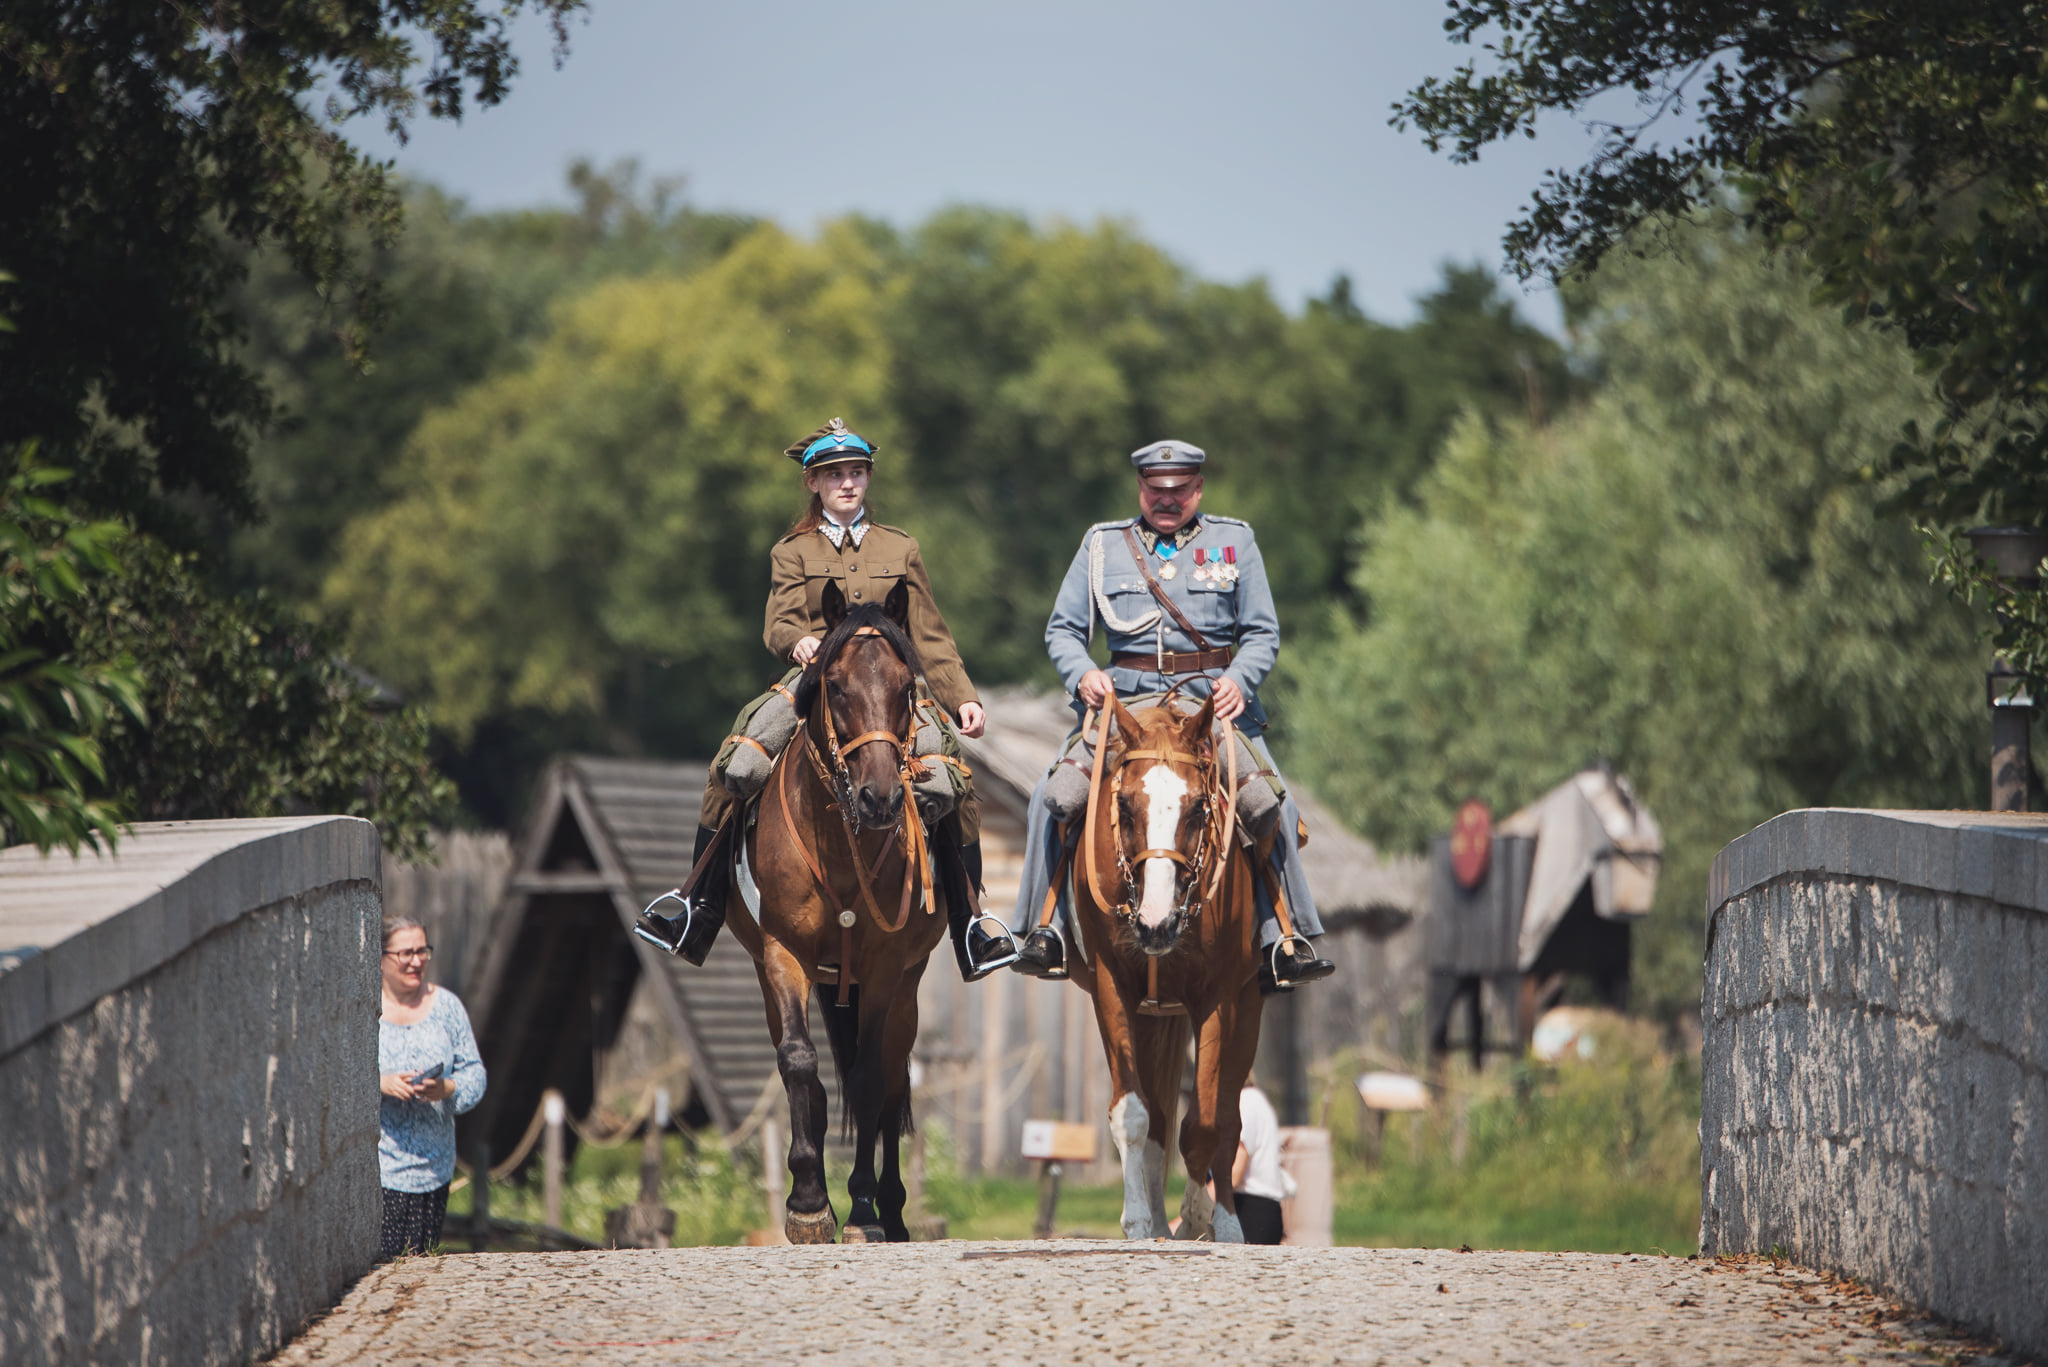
<point x="860" y="684"/>
<point x="1164" y="789"/>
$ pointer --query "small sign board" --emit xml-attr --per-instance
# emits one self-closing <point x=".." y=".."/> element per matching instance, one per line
<point x="1393" y="1092"/>
<point x="1059" y="1142"/>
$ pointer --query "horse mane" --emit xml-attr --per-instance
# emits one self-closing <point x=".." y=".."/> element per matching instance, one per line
<point x="865" y="615"/>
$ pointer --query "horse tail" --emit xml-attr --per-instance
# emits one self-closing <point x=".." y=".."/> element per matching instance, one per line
<point x="842" y="1029"/>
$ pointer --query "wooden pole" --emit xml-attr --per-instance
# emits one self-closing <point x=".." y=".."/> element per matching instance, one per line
<point x="995" y="1009"/>
<point x="480" y="1196"/>
<point x="1048" y="1199"/>
<point x="650" y="1153"/>
<point x="773" y="1170"/>
<point x="553" y="1112"/>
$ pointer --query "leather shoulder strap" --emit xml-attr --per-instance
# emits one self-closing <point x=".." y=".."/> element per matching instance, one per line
<point x="1159" y="590"/>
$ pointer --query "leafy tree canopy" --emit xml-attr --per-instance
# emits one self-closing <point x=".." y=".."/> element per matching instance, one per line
<point x="1684" y="576"/>
<point x="581" y="538"/>
<point x="1905" y="145"/>
<point x="147" y="144"/>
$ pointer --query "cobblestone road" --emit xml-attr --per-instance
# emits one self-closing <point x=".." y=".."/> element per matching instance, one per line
<point x="960" y="1303"/>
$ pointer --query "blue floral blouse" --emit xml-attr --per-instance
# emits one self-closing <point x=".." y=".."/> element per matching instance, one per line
<point x="416" y="1143"/>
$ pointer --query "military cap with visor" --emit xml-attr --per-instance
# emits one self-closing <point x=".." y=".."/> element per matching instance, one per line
<point x="831" y="445"/>
<point x="1168" y="464"/>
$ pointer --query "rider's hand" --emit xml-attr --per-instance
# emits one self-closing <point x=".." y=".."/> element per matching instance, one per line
<point x="973" y="721"/>
<point x="803" y="650"/>
<point x="398" y="1087"/>
<point x="1096" y="687"/>
<point x="1229" y="699"/>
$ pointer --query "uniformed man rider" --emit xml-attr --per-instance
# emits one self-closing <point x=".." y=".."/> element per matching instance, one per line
<point x="1210" y="570"/>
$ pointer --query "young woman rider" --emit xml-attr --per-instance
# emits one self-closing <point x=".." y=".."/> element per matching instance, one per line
<point x="836" y="541"/>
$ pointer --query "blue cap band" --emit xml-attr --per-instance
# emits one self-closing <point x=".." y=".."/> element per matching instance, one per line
<point x="833" y="444"/>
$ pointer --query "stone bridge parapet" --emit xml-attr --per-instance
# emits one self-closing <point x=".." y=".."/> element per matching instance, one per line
<point x="188" y="1091"/>
<point x="1875" y="1089"/>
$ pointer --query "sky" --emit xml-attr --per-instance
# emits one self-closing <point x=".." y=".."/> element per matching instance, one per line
<point x="1246" y="140"/>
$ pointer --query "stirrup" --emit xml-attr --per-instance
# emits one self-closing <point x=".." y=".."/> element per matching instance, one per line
<point x="652" y="924"/>
<point x="1003" y="961"/>
<point x="1306" y="950"/>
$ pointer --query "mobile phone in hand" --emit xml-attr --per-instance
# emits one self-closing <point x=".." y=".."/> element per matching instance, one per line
<point x="428" y="1075"/>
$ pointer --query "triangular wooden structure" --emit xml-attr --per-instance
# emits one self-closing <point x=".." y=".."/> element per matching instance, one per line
<point x="604" y="838"/>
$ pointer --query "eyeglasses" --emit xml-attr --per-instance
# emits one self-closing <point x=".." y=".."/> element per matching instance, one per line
<point x="425" y="954"/>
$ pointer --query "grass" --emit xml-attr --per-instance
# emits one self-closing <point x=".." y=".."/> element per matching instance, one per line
<point x="1599" y="1155"/>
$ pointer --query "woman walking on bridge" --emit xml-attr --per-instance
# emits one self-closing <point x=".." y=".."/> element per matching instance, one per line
<point x="429" y="1073"/>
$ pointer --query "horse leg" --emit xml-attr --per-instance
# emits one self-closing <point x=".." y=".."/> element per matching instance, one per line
<point x="1228" y="1039"/>
<point x="1130" y="1120"/>
<point x="1161" y="1047"/>
<point x="807" y="1215"/>
<point x="867" y="1087"/>
<point x="897" y="1041"/>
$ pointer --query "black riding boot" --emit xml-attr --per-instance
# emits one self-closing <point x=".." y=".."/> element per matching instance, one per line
<point x="694" y="927"/>
<point x="1289" y="963"/>
<point x="1042" y="955"/>
<point x="979" y="951"/>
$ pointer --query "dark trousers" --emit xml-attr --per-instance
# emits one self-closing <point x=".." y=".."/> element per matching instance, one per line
<point x="1260" y="1216"/>
<point x="412" y="1221"/>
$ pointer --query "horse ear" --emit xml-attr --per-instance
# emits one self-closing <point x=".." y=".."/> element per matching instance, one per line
<point x="897" y="605"/>
<point x="1201" y="724"/>
<point x="1125" y="722"/>
<point x="834" y="604"/>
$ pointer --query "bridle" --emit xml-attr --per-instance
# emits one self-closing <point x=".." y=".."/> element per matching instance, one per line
<point x="837" y="781"/>
<point x="1210" y="842"/>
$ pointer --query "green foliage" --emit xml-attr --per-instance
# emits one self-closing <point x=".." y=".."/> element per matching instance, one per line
<point x="249" y="711"/>
<point x="1904" y="145"/>
<point x="580" y="540"/>
<point x="146" y="145"/>
<point x="715" y="1192"/>
<point x="467" y="294"/>
<point x="1686" y="577"/>
<point x="52" y="711"/>
<point x="1600" y="1155"/>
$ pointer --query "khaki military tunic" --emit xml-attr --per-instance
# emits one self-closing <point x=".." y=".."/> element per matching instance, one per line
<point x="802" y="563"/>
<point x="800" y="566"/>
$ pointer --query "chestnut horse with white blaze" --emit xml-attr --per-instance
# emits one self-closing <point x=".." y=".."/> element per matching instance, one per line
<point x="1168" y="926"/>
<point x="848" y="904"/>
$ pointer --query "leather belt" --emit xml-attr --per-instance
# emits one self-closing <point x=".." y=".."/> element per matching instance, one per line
<point x="1173" y="661"/>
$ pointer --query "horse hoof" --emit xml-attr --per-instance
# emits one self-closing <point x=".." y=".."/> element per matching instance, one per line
<point x="863" y="1234"/>
<point x="816" y="1228"/>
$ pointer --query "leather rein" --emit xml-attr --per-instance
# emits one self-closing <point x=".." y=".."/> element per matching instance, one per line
<point x="837" y="784"/>
<point x="1195" y="896"/>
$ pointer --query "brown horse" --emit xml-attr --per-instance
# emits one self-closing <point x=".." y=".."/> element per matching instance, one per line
<point x="1169" y="932"/>
<point x="846" y="882"/>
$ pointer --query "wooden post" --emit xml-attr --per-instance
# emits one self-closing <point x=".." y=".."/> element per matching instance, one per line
<point x="1048" y="1200"/>
<point x="553" y="1112"/>
<point x="773" y="1160"/>
<point x="650" y="1152"/>
<point x="480" y="1196"/>
<point x="995" y="1007"/>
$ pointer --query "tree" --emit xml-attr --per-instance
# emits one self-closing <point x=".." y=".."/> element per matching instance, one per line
<point x="1905" y="145"/>
<point x="587" y="534"/>
<point x="147" y="146"/>
<point x="1684" y="576"/>
<point x="53" y="711"/>
<point x="467" y="294"/>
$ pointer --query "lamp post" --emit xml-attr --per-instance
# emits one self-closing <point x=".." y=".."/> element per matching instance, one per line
<point x="2015" y="555"/>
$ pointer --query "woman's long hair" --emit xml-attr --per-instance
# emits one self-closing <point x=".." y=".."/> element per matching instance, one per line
<point x="811" y="518"/>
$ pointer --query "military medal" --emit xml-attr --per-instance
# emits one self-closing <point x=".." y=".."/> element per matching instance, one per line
<point x="1166" y="571"/>
<point x="1226" y="573"/>
<point x="1202" y="573"/>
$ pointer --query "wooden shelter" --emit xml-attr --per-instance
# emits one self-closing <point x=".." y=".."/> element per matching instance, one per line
<point x="1565" y="879"/>
<point x="552" y="991"/>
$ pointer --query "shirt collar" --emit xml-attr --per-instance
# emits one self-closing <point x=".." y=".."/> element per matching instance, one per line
<point x="837" y="532"/>
<point x="1181" y="538"/>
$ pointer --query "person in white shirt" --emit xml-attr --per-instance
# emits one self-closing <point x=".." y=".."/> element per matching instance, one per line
<point x="1255" y="1176"/>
